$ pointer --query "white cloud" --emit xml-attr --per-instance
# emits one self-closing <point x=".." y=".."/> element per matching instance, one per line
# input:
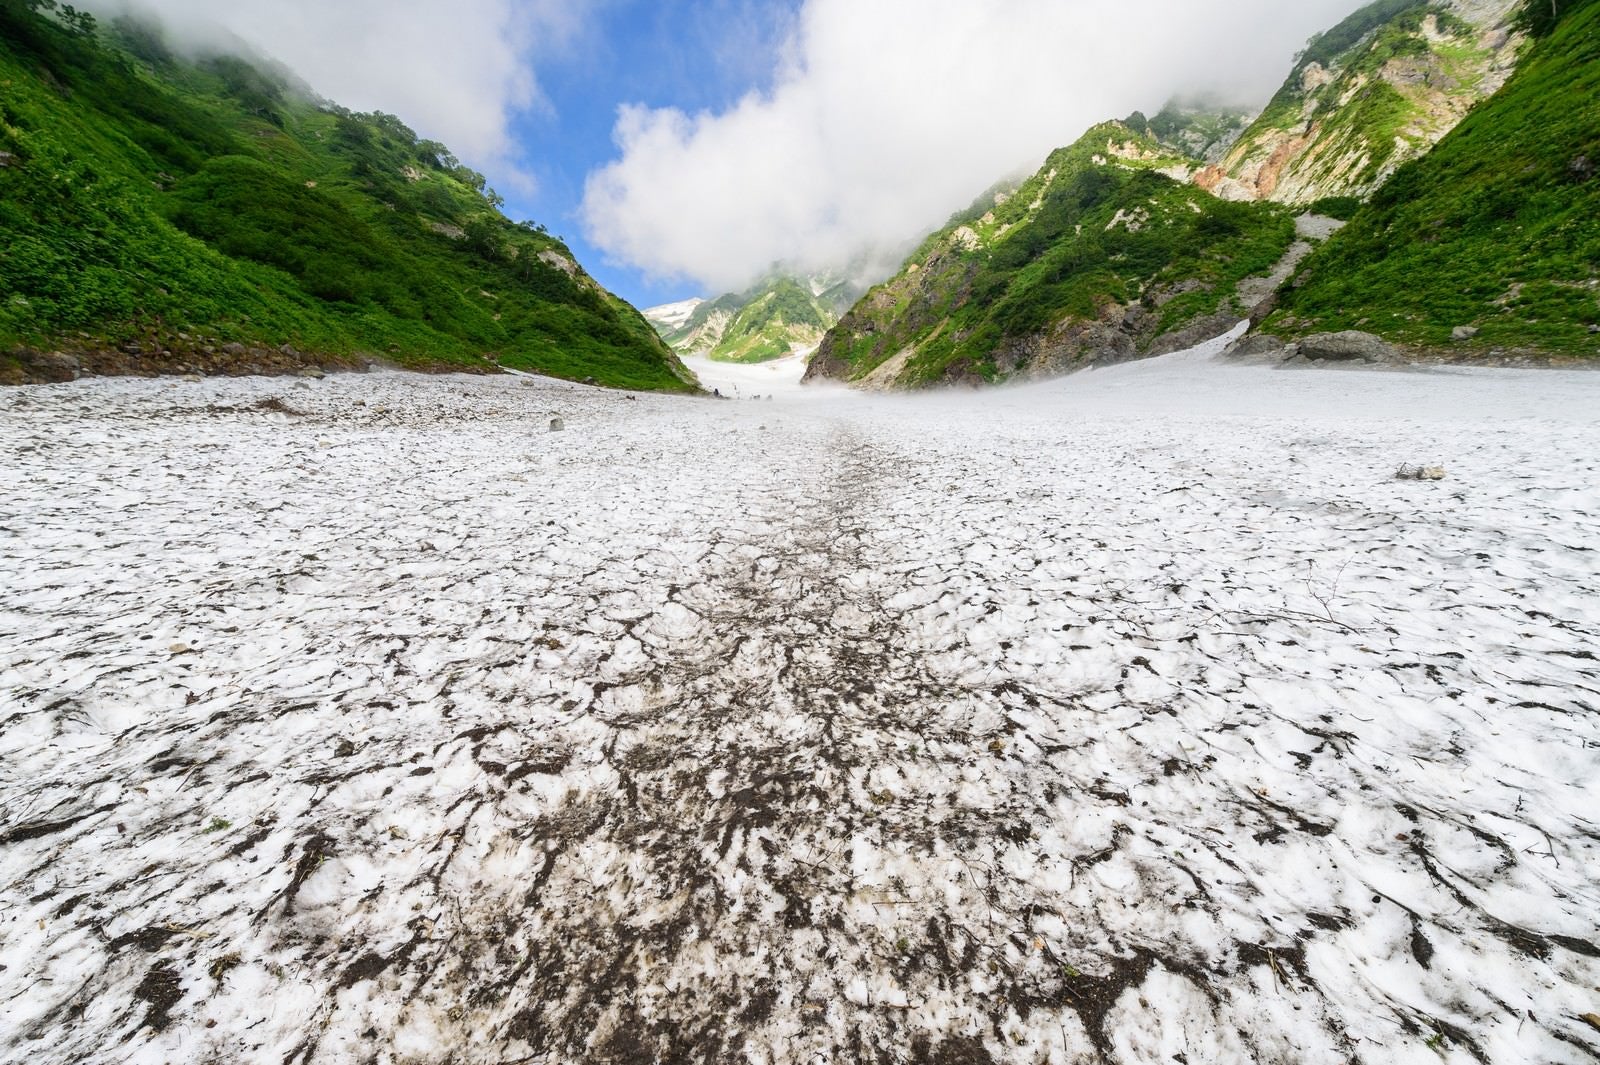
<point x="456" y="72"/>
<point x="888" y="115"/>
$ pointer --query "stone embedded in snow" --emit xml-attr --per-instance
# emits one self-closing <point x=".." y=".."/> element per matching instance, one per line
<point x="557" y="425"/>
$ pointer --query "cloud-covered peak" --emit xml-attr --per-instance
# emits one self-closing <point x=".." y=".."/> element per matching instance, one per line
<point x="886" y="116"/>
<point x="457" y="72"/>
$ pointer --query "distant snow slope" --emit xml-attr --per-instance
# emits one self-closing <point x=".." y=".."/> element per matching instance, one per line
<point x="746" y="380"/>
<point x="1137" y="717"/>
<point x="672" y="316"/>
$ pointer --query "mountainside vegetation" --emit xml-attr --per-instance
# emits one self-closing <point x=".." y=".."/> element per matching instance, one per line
<point x="1482" y="234"/>
<point x="1105" y="253"/>
<point x="1496" y="232"/>
<point x="780" y="316"/>
<point x="1375" y="91"/>
<point x="160" y="212"/>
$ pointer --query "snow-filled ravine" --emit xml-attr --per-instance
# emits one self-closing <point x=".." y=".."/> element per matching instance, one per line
<point x="1143" y="716"/>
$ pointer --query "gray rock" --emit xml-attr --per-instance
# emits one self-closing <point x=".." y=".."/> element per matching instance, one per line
<point x="1463" y="332"/>
<point x="52" y="367"/>
<point x="312" y="372"/>
<point x="1256" y="346"/>
<point x="234" y="349"/>
<point x="557" y="425"/>
<point x="1196" y="332"/>
<point x="1348" y="346"/>
<point x="288" y="349"/>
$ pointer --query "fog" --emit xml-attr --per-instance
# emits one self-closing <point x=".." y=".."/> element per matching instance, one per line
<point x="887" y="116"/>
<point x="456" y="72"/>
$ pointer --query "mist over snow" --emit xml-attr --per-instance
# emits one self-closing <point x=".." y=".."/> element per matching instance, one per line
<point x="457" y="72"/>
<point x="887" y="116"/>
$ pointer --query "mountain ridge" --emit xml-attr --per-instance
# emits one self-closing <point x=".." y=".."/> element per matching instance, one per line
<point x="1146" y="247"/>
<point x="781" y="316"/>
<point x="168" y="214"/>
<point x="1487" y="248"/>
<point x="1375" y="91"/>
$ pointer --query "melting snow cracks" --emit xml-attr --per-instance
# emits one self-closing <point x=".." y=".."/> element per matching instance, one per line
<point x="1028" y="729"/>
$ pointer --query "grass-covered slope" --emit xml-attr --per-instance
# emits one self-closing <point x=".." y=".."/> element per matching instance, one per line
<point x="783" y="317"/>
<point x="777" y="317"/>
<point x="162" y="213"/>
<point x="1370" y="94"/>
<point x="1497" y="229"/>
<point x="1098" y="255"/>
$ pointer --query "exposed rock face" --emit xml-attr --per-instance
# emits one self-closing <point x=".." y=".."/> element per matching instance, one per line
<point x="1348" y="346"/>
<point x="1256" y="346"/>
<point x="1196" y="332"/>
<point x="1343" y="123"/>
<point x="41" y="367"/>
<point x="556" y="260"/>
<point x="198" y="356"/>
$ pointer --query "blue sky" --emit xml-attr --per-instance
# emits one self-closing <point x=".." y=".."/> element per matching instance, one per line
<point x="684" y="147"/>
<point x="695" y="55"/>
<point x="687" y="146"/>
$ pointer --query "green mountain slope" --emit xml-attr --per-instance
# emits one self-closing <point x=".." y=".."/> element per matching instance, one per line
<point x="1374" y="92"/>
<point x="779" y="316"/>
<point x="1105" y="253"/>
<point x="158" y="213"/>
<point x="1497" y="229"/>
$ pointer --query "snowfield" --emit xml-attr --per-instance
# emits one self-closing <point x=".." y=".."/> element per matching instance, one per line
<point x="1142" y="716"/>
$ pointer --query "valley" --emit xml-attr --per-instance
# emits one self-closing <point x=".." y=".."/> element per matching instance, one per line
<point x="1138" y="714"/>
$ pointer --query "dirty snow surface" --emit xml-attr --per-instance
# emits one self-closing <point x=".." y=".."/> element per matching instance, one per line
<point x="1138" y="717"/>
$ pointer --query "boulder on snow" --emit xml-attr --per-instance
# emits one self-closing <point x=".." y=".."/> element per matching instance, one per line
<point x="1348" y="346"/>
<point x="1256" y="346"/>
<point x="1196" y="332"/>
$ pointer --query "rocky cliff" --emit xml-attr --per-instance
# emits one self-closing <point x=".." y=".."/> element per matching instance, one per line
<point x="1374" y="92"/>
